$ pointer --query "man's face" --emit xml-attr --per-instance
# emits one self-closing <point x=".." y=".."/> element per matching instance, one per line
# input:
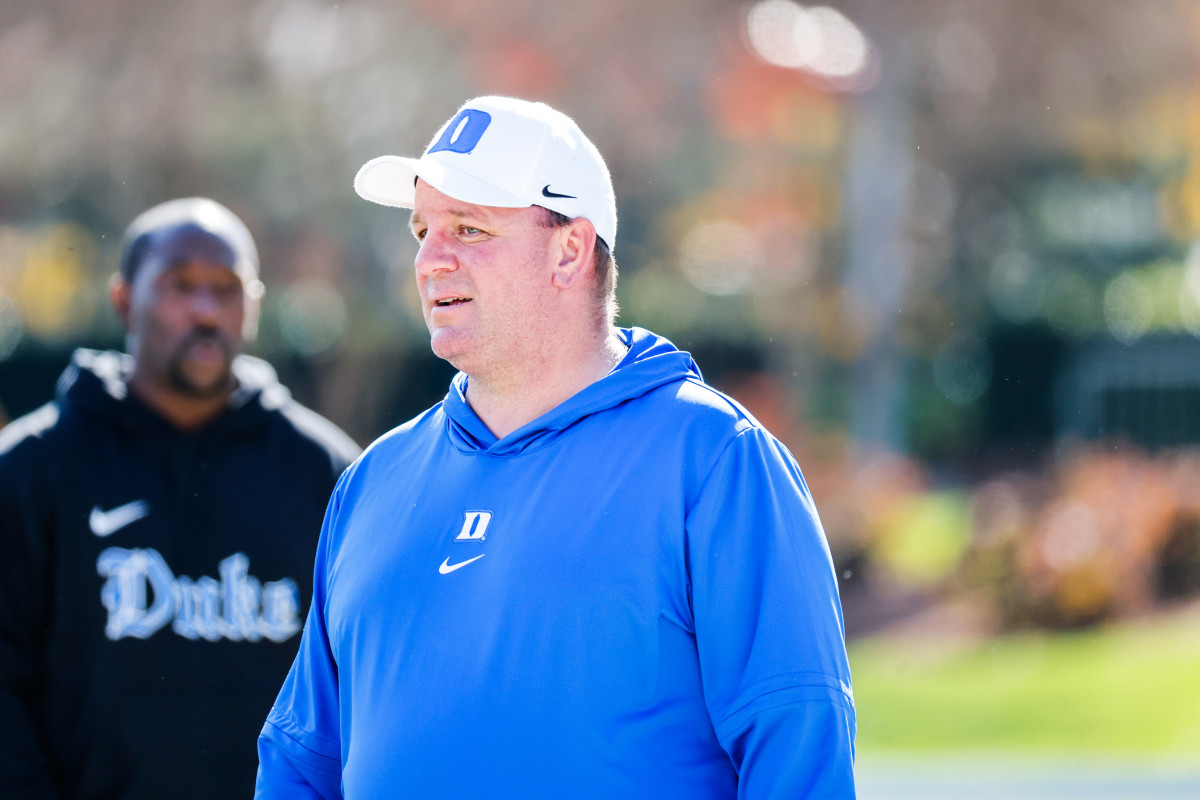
<point x="485" y="279"/>
<point x="185" y="312"/>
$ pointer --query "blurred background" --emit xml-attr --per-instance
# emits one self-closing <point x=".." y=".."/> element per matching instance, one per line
<point x="942" y="248"/>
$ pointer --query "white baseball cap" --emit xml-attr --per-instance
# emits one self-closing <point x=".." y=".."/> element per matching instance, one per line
<point x="504" y="152"/>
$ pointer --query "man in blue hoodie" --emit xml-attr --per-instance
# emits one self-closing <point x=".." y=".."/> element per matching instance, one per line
<point x="584" y="573"/>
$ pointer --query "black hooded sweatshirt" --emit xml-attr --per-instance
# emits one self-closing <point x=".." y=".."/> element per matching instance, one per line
<point x="153" y="583"/>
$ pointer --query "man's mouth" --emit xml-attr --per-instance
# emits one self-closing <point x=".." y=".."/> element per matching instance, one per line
<point x="207" y="350"/>
<point x="205" y="346"/>
<point x="451" y="301"/>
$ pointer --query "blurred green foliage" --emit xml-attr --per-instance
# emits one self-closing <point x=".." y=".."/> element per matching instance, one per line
<point x="924" y="541"/>
<point x="1124" y="690"/>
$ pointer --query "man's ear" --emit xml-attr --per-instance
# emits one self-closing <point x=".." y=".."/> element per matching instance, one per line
<point x="118" y="293"/>
<point x="577" y="244"/>
<point x="254" y="290"/>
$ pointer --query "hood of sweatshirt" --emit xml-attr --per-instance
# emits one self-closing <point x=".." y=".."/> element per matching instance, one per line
<point x="652" y="361"/>
<point x="95" y="383"/>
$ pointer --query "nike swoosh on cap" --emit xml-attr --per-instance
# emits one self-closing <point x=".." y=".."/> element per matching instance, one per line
<point x="106" y="523"/>
<point x="446" y="568"/>
<point x="547" y="193"/>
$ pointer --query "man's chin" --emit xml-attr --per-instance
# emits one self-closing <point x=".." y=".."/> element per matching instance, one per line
<point x="201" y="381"/>
<point x="447" y="345"/>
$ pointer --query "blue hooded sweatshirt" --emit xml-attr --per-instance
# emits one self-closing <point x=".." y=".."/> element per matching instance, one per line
<point x="631" y="596"/>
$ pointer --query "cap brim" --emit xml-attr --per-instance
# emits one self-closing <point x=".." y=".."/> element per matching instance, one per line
<point x="391" y="181"/>
<point x="387" y="180"/>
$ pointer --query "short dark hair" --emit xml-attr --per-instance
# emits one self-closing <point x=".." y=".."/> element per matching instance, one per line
<point x="198" y="212"/>
<point x="604" y="266"/>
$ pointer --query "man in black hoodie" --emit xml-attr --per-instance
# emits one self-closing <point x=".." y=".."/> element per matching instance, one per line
<point x="158" y="522"/>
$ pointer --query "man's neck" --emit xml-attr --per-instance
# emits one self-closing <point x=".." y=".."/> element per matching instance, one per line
<point x="185" y="413"/>
<point x="507" y="403"/>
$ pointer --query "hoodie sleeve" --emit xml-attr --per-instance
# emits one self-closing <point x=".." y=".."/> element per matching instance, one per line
<point x="299" y="748"/>
<point x="768" y="626"/>
<point x="25" y="528"/>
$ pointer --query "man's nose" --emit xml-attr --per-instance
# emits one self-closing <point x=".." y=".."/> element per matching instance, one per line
<point x="435" y="253"/>
<point x="204" y="303"/>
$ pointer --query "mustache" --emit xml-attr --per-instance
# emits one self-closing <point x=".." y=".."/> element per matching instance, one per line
<point x="206" y="334"/>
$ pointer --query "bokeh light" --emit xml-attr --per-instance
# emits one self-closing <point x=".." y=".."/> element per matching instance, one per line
<point x="1081" y="212"/>
<point x="304" y="41"/>
<point x="1068" y="535"/>
<point x="1128" y="308"/>
<point x="820" y="40"/>
<point x="50" y="276"/>
<point x="999" y="513"/>
<point x="720" y="256"/>
<point x="1016" y="287"/>
<point x="313" y="315"/>
<point x="1072" y="304"/>
<point x="1189" y="294"/>
<point x="962" y="368"/>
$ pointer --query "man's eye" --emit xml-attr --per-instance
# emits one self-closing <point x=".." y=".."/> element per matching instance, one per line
<point x="419" y="234"/>
<point x="469" y="231"/>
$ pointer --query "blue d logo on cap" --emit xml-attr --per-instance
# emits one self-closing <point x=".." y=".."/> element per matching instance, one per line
<point x="463" y="132"/>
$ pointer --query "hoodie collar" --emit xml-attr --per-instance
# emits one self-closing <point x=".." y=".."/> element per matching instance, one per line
<point x="651" y="362"/>
<point x="96" y="382"/>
